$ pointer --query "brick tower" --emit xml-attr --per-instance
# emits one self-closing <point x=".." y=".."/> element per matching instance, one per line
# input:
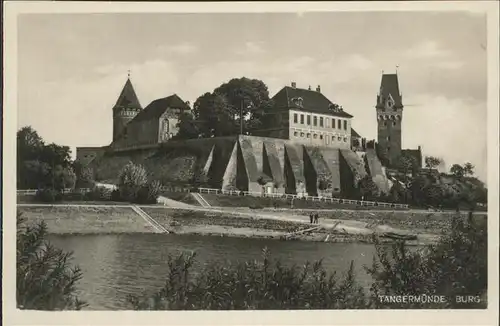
<point x="126" y="108"/>
<point x="389" y="118"/>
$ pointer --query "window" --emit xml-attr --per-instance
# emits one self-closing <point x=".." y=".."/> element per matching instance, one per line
<point x="308" y="120"/>
<point x="301" y="134"/>
<point x="339" y="124"/>
<point x="315" y="121"/>
<point x="333" y="139"/>
<point x="315" y="136"/>
<point x="339" y="138"/>
<point x="388" y="138"/>
<point x="385" y="123"/>
<point x="388" y="149"/>
<point x="327" y="140"/>
<point x="301" y="119"/>
<point x="333" y="123"/>
<point x="394" y="123"/>
<point x="345" y="139"/>
<point x="345" y="124"/>
<point x="295" y="118"/>
<point x="308" y="135"/>
<point x="296" y="134"/>
<point x="320" y="136"/>
<point x="321" y="121"/>
<point x="327" y="123"/>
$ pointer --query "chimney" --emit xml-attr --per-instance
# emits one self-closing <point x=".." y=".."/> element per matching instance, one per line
<point x="309" y="87"/>
<point x="294" y="85"/>
<point x="318" y="89"/>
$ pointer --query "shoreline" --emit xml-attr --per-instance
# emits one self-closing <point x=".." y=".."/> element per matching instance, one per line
<point x="334" y="227"/>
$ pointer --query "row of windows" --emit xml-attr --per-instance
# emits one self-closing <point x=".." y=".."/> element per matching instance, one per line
<point x="323" y="122"/>
<point x="315" y="136"/>
<point x="393" y="123"/>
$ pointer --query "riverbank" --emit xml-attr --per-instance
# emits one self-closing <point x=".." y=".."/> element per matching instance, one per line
<point x="334" y="226"/>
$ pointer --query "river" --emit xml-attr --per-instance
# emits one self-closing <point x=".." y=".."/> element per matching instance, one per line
<point x="115" y="266"/>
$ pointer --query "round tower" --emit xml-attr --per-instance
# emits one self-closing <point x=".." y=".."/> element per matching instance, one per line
<point x="126" y="108"/>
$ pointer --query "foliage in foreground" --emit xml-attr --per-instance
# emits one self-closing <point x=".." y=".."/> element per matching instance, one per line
<point x="455" y="266"/>
<point x="253" y="285"/>
<point x="45" y="279"/>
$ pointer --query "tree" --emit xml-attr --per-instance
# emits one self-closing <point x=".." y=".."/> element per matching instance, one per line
<point x="63" y="178"/>
<point x="468" y="169"/>
<point x="398" y="193"/>
<point x="84" y="176"/>
<point x="132" y="179"/>
<point x="432" y="162"/>
<point x="367" y="188"/>
<point x="188" y="127"/>
<point x="434" y="194"/>
<point x="37" y="163"/>
<point x="45" y="279"/>
<point x="218" y="113"/>
<point x="457" y="170"/>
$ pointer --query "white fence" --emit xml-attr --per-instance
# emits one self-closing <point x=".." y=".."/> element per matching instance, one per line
<point x="310" y="198"/>
<point x="31" y="192"/>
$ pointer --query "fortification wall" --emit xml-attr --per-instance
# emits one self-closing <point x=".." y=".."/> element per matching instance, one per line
<point x="244" y="163"/>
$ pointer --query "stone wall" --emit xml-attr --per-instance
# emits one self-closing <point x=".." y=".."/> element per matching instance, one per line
<point x="245" y="163"/>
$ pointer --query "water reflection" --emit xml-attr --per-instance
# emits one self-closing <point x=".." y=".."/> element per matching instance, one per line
<point x="115" y="266"/>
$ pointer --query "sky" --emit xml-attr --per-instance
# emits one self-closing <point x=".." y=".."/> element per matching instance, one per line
<point x="72" y="67"/>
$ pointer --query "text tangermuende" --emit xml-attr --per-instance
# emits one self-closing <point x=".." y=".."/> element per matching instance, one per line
<point x="423" y="298"/>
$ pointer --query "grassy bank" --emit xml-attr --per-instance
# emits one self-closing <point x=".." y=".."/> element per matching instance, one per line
<point x="262" y="202"/>
<point x="86" y="220"/>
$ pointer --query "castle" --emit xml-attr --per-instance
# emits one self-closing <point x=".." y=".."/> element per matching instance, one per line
<point x="312" y="149"/>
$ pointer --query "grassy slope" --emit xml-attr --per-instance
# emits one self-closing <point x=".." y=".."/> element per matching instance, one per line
<point x="248" y="201"/>
<point x="61" y="220"/>
<point x="180" y="196"/>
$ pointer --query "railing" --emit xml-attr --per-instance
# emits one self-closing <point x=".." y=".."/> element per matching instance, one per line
<point x="29" y="192"/>
<point x="291" y="196"/>
<point x="175" y="189"/>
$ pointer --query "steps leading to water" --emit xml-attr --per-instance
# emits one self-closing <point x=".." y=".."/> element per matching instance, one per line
<point x="156" y="226"/>
<point x="199" y="198"/>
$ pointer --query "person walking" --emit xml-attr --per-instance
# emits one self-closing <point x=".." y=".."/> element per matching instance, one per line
<point x="311" y="218"/>
<point x="317" y="218"/>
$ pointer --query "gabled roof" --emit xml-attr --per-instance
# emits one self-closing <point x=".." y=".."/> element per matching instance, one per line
<point x="354" y="133"/>
<point x="128" y="98"/>
<point x="156" y="108"/>
<point x="389" y="85"/>
<point x="312" y="101"/>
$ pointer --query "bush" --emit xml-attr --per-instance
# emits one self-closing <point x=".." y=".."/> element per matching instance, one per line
<point x="45" y="279"/>
<point x="48" y="195"/>
<point x="457" y="265"/>
<point x="132" y="179"/>
<point x="253" y="285"/>
<point x="99" y="194"/>
<point x="149" y="193"/>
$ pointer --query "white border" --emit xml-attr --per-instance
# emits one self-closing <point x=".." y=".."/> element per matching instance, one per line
<point x="345" y="317"/>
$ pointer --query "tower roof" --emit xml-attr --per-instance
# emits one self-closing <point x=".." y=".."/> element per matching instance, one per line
<point x="390" y="86"/>
<point x="127" y="97"/>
